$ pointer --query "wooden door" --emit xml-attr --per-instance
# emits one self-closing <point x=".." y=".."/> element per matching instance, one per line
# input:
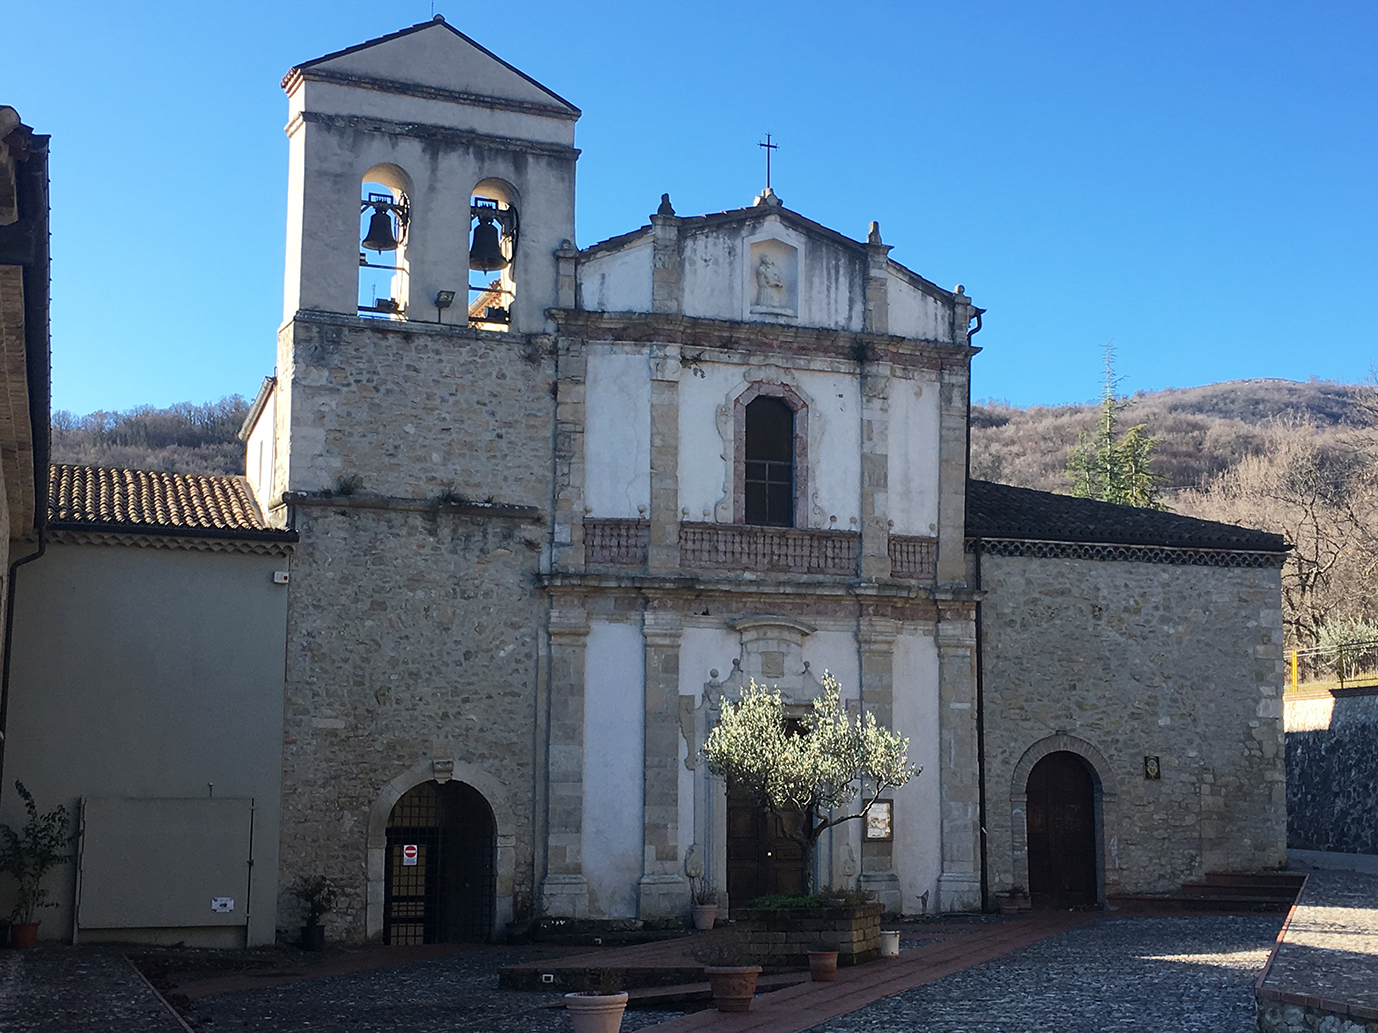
<point x="761" y="859"/>
<point x="1061" y="832"/>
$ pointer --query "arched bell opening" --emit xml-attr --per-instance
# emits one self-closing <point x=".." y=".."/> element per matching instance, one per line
<point x="384" y="227"/>
<point x="440" y="866"/>
<point x="494" y="235"/>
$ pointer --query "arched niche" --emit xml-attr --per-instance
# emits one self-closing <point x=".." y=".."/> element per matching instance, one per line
<point x="494" y="204"/>
<point x="385" y="275"/>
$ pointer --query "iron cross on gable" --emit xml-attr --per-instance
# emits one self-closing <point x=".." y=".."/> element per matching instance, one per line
<point x="769" y="147"/>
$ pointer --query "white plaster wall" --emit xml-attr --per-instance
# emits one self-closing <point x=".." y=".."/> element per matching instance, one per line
<point x="706" y="449"/>
<point x="918" y="822"/>
<point x="835" y="651"/>
<point x="617" y="281"/>
<point x="617" y="436"/>
<point x="913" y="463"/>
<point x="260" y="458"/>
<point x="916" y="314"/>
<point x="614" y="747"/>
<point x="712" y="273"/>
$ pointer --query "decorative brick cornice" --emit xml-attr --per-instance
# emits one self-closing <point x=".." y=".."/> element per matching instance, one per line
<point x="721" y="337"/>
<point x="431" y="133"/>
<point x="253" y="547"/>
<point x="1126" y="553"/>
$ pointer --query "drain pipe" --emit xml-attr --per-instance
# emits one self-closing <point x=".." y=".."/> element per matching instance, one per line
<point x="981" y="740"/>
<point x="9" y="643"/>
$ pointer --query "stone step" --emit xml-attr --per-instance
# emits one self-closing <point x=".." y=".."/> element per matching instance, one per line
<point x="1229" y="903"/>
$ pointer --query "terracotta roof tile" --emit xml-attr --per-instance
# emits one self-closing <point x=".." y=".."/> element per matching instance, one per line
<point x="151" y="500"/>
<point x="1004" y="511"/>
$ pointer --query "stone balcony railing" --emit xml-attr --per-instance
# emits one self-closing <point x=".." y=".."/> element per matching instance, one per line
<point x="780" y="550"/>
<point x="739" y="547"/>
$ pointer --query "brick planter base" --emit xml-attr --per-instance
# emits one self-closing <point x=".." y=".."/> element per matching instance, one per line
<point x="784" y="936"/>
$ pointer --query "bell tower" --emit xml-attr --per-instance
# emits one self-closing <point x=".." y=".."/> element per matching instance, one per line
<point x="405" y="151"/>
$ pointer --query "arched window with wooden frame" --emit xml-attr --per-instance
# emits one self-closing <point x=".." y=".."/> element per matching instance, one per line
<point x="770" y="476"/>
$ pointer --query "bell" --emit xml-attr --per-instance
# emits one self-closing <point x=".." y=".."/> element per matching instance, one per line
<point x="380" y="236"/>
<point x="484" y="254"/>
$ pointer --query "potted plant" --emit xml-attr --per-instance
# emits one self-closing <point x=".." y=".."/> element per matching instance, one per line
<point x="730" y="973"/>
<point x="318" y="897"/>
<point x="29" y="855"/>
<point x="599" y="1008"/>
<point x="1012" y="901"/>
<point x="705" y="903"/>
<point x="823" y="963"/>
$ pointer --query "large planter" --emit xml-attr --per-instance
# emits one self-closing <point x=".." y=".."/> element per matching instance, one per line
<point x="733" y="985"/>
<point x="705" y="915"/>
<point x="23" y="934"/>
<point x="596" y="1013"/>
<point x="784" y="936"/>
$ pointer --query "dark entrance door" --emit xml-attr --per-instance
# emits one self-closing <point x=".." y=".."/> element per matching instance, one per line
<point x="447" y="894"/>
<point x="1062" y="832"/>
<point x="761" y="859"/>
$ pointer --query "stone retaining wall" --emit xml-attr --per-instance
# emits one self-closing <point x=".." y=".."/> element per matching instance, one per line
<point x="784" y="936"/>
<point x="1332" y="771"/>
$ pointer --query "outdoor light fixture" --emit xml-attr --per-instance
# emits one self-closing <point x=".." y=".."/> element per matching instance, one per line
<point x="444" y="299"/>
<point x="380" y="235"/>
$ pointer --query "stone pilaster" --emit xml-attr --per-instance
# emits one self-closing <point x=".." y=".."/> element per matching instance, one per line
<point x="959" y="885"/>
<point x="664" y="892"/>
<point x="564" y="892"/>
<point x="877" y="282"/>
<point x="570" y="398"/>
<point x="876" y="639"/>
<point x="567" y="285"/>
<point x="663" y="554"/>
<point x="666" y="290"/>
<point x="952" y="471"/>
<point x="875" y="470"/>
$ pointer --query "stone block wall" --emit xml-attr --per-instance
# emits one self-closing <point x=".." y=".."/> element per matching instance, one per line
<point x="784" y="936"/>
<point x="412" y="410"/>
<point x="1118" y="661"/>
<point x="413" y="641"/>
<point x="1332" y="771"/>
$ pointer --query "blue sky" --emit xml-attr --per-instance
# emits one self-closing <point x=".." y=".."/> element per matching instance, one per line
<point x="1194" y="181"/>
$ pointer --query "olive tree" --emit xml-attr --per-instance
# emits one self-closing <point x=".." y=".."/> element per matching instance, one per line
<point x="816" y="773"/>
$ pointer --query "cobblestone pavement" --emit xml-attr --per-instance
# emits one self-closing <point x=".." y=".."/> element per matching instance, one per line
<point x="1331" y="950"/>
<point x="1159" y="975"/>
<point x="75" y="990"/>
<point x="454" y="994"/>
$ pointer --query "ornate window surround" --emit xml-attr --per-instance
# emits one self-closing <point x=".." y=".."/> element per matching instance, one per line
<point x="792" y="398"/>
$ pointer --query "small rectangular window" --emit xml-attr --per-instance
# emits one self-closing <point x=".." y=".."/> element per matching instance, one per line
<point x="769" y="474"/>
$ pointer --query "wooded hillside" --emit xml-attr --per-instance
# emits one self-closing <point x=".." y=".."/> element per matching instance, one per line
<point x="183" y="438"/>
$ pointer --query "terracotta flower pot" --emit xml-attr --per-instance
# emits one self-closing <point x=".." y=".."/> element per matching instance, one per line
<point x="596" y="1013"/>
<point x="823" y="966"/>
<point x="23" y="934"/>
<point x="1008" y="905"/>
<point x="733" y="985"/>
<point x="705" y="915"/>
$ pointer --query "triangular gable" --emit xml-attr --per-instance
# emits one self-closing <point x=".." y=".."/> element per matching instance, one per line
<point x="439" y="56"/>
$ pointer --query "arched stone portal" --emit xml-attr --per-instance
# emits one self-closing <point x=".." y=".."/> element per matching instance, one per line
<point x="440" y="866"/>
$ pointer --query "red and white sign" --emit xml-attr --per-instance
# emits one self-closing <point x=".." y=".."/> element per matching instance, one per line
<point x="409" y="853"/>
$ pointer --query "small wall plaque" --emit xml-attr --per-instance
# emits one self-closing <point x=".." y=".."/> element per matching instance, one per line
<point x="1153" y="770"/>
<point x="222" y="904"/>
<point x="880" y="821"/>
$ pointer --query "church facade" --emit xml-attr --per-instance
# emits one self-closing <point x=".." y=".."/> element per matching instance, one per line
<point x="547" y="521"/>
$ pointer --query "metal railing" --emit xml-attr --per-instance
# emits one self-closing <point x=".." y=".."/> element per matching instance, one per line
<point x="1326" y="667"/>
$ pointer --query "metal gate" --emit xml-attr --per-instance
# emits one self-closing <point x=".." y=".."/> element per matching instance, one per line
<point x="440" y="866"/>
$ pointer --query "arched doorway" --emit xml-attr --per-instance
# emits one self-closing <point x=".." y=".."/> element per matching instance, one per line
<point x="761" y="858"/>
<point x="440" y="866"/>
<point x="1061" y="832"/>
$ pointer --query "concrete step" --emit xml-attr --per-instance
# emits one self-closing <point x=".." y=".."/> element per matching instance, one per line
<point x="1228" y="903"/>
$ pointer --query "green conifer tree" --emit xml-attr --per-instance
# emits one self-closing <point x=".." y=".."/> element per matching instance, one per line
<point x="1109" y="466"/>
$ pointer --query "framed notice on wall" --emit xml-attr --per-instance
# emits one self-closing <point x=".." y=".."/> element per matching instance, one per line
<point x="880" y="820"/>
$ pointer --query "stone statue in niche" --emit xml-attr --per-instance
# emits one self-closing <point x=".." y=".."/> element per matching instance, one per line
<point x="770" y="284"/>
